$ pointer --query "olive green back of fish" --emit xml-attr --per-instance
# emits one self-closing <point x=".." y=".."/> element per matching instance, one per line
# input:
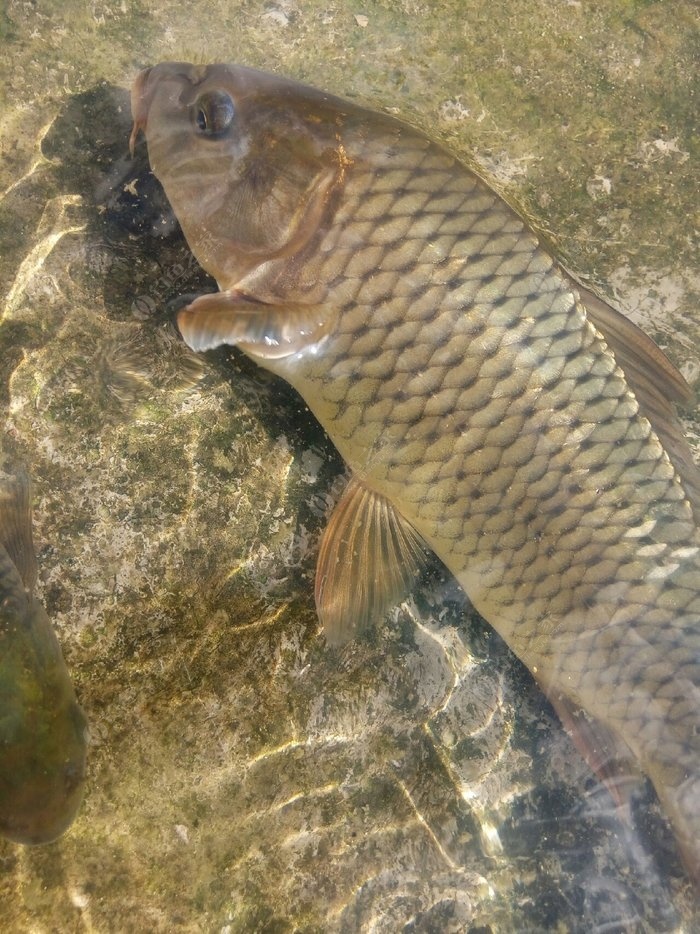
<point x="42" y="728"/>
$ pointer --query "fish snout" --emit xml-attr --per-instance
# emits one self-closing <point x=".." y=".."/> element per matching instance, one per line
<point x="139" y="107"/>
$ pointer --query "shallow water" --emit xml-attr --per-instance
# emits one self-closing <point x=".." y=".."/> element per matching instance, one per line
<point x="242" y="777"/>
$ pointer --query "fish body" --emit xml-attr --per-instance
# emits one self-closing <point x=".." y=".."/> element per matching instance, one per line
<point x="489" y="407"/>
<point x="42" y="728"/>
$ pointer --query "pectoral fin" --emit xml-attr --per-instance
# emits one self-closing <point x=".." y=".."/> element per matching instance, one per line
<point x="268" y="331"/>
<point x="369" y="560"/>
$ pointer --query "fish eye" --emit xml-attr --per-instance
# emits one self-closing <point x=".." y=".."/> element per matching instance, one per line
<point x="213" y="114"/>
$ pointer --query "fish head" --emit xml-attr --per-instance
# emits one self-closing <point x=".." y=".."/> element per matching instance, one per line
<point x="248" y="161"/>
<point x="40" y="798"/>
<point x="43" y="732"/>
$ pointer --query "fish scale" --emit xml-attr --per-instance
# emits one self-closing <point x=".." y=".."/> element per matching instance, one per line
<point x="550" y="534"/>
<point x="486" y="403"/>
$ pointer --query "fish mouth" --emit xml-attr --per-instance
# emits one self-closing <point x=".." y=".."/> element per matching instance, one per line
<point x="145" y="83"/>
<point x="139" y="107"/>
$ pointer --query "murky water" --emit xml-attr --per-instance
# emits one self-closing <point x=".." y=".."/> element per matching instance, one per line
<point x="242" y="777"/>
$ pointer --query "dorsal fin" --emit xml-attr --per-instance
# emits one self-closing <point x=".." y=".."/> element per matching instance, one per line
<point x="655" y="381"/>
<point x="16" y="524"/>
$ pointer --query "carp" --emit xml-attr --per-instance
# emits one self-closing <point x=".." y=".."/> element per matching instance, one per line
<point x="43" y="731"/>
<point x="490" y="408"/>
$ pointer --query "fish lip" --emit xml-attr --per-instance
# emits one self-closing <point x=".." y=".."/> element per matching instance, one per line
<point x="139" y="106"/>
<point x="142" y="91"/>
